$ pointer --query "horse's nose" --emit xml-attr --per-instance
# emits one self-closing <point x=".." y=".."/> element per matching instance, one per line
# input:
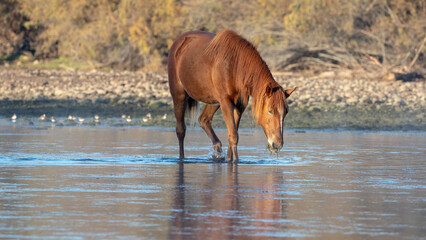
<point x="276" y="146"/>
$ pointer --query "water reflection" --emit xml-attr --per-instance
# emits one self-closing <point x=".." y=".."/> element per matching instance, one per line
<point x="220" y="206"/>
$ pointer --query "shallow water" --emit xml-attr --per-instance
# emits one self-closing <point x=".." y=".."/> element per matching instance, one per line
<point x="105" y="182"/>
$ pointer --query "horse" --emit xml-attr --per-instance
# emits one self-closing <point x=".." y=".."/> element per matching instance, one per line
<point x="224" y="70"/>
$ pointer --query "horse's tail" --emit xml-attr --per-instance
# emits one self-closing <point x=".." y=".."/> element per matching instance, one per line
<point x="193" y="109"/>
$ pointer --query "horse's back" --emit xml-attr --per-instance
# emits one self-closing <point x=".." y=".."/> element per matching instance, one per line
<point x="188" y="66"/>
<point x="189" y="45"/>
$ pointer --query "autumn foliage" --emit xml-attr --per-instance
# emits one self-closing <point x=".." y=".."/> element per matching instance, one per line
<point x="319" y="35"/>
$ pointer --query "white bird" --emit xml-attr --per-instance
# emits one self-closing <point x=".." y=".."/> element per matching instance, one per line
<point x="144" y="119"/>
<point x="70" y="117"/>
<point x="128" y="119"/>
<point x="52" y="119"/>
<point x="80" y="120"/>
<point x="148" y="115"/>
<point x="123" y="116"/>
<point x="14" y="117"/>
<point x="96" y="118"/>
<point x="42" y="117"/>
<point x="164" y="116"/>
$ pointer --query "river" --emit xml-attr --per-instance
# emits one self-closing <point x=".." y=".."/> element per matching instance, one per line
<point x="103" y="182"/>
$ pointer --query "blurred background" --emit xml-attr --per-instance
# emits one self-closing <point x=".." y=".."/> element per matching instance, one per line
<point x="372" y="37"/>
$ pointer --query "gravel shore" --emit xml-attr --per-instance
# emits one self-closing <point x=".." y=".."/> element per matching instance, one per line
<point x="126" y="88"/>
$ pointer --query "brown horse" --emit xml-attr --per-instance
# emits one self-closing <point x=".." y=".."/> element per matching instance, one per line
<point x="224" y="70"/>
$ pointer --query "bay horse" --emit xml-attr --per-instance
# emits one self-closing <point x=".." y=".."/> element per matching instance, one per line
<point x="224" y="70"/>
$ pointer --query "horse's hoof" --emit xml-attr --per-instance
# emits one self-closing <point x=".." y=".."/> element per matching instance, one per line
<point x="217" y="147"/>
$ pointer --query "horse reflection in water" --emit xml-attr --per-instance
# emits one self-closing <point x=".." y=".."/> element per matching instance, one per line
<point x="224" y="70"/>
<point x="231" y="207"/>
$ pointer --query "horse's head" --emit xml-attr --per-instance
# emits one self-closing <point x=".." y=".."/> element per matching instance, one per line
<point x="271" y="113"/>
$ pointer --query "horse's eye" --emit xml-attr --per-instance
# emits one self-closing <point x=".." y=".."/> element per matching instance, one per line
<point x="270" y="112"/>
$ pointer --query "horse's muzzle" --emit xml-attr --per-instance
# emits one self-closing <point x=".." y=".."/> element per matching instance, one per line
<point x="274" y="147"/>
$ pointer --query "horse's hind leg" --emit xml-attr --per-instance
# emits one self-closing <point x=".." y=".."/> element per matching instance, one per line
<point x="180" y="125"/>
<point x="179" y="104"/>
<point x="205" y="121"/>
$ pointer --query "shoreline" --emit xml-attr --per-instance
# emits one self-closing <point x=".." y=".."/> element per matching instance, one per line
<point x="351" y="104"/>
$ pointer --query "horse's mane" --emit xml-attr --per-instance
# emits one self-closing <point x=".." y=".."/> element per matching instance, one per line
<point x="248" y="69"/>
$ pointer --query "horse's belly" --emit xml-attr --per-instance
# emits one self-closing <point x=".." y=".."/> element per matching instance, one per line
<point x="201" y="92"/>
<point x="207" y="100"/>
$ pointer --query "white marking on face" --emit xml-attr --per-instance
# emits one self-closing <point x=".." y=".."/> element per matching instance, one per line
<point x="270" y="141"/>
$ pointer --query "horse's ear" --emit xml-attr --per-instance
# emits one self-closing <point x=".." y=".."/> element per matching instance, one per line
<point x="289" y="91"/>
<point x="268" y="90"/>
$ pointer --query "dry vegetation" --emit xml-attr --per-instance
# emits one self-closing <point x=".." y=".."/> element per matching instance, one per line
<point x="368" y="37"/>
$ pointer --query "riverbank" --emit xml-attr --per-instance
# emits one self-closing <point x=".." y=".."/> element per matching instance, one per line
<point x="317" y="103"/>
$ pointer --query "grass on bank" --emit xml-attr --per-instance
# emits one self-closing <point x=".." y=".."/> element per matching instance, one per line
<point x="24" y="62"/>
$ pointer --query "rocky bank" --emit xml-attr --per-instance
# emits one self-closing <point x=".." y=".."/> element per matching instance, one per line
<point x="312" y="95"/>
<point x="30" y="85"/>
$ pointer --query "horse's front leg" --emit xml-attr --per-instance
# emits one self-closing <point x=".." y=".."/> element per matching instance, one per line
<point x="238" y="111"/>
<point x="228" y="115"/>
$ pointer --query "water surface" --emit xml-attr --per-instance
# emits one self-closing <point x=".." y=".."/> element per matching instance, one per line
<point x="104" y="182"/>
